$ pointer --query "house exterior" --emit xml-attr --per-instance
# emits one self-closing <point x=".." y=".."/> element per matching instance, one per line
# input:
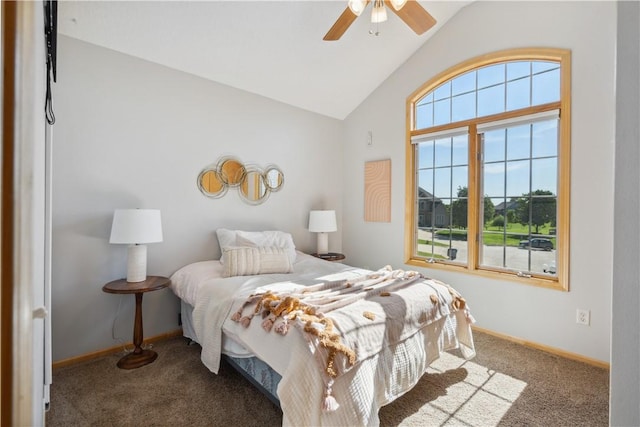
<point x="432" y="212"/>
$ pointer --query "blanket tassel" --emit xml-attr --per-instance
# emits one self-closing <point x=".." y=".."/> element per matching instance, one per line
<point x="246" y="321"/>
<point x="267" y="324"/>
<point x="330" y="404"/>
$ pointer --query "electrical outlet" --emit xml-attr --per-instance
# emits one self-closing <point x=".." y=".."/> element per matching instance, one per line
<point x="583" y="317"/>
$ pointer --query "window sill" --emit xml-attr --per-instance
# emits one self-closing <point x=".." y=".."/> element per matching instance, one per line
<point x="537" y="281"/>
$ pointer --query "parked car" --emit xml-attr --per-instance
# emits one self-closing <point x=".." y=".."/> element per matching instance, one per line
<point x="537" y="243"/>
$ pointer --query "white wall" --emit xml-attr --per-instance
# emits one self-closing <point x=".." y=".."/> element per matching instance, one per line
<point x="539" y="315"/>
<point x="625" y="338"/>
<point x="129" y="134"/>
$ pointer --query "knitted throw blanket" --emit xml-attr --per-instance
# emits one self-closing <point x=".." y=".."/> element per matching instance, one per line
<point x="346" y="321"/>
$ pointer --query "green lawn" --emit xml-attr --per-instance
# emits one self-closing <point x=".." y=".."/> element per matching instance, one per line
<point x="521" y="229"/>
<point x="429" y="242"/>
<point x="430" y="255"/>
<point x="494" y="236"/>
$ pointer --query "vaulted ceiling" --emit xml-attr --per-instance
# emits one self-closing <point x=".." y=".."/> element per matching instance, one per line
<point x="270" y="48"/>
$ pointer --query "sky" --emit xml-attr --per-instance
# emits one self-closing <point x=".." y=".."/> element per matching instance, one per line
<point x="518" y="158"/>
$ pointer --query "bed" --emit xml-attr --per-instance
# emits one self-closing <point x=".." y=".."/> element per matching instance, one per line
<point x="328" y="342"/>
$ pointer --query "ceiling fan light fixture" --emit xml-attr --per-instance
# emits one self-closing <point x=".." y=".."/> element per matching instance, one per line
<point x="379" y="12"/>
<point x="356" y="6"/>
<point x="397" y="4"/>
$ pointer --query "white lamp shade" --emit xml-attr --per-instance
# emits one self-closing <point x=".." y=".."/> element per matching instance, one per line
<point x="356" y="6"/>
<point x="397" y="4"/>
<point x="136" y="226"/>
<point x="379" y="13"/>
<point x="322" y="221"/>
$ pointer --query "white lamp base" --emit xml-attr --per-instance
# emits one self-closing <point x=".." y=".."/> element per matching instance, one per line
<point x="136" y="263"/>
<point x="323" y="243"/>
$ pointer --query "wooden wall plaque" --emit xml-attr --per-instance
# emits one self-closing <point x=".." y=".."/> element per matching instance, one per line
<point x="377" y="191"/>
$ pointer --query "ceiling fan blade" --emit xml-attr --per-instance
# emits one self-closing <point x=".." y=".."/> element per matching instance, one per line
<point x="342" y="24"/>
<point x="414" y="15"/>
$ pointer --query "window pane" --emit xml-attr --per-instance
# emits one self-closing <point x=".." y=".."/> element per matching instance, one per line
<point x="518" y="142"/>
<point x="491" y="75"/>
<point x="464" y="107"/>
<point x="424" y="116"/>
<point x="540" y="66"/>
<point x="425" y="211"/>
<point x="545" y="138"/>
<point x="425" y="154"/>
<point x="425" y="243"/>
<point x="488" y="210"/>
<point x="442" y="111"/>
<point x="491" y="100"/>
<point x="493" y="179"/>
<point x="443" y="91"/>
<point x="541" y="259"/>
<point x="425" y="182"/>
<point x="501" y="207"/>
<point x="459" y="178"/>
<point x="443" y="152"/>
<point x="544" y="174"/>
<point x="517" y="178"/>
<point x="464" y="83"/>
<point x="515" y="70"/>
<point x="459" y="215"/>
<point x="546" y="87"/>
<point x="494" y="145"/>
<point x="442" y="183"/>
<point x="460" y="150"/>
<point x="518" y="94"/>
<point x="543" y="213"/>
<point x="427" y="98"/>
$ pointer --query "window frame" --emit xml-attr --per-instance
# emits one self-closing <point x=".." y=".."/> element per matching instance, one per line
<point x="561" y="280"/>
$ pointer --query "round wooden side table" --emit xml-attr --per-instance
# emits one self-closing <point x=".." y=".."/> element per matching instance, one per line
<point x="330" y="256"/>
<point x="138" y="357"/>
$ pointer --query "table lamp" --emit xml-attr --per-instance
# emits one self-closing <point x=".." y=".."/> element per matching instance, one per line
<point x="322" y="222"/>
<point x="136" y="227"/>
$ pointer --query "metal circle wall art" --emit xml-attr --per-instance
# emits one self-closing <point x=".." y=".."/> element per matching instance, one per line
<point x="253" y="183"/>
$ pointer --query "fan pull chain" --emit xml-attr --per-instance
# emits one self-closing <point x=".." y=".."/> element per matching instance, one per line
<point x="377" y="30"/>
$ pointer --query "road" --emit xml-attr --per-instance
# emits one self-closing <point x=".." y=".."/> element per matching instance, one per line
<point x="494" y="256"/>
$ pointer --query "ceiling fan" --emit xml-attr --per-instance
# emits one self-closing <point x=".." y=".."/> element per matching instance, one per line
<point x="410" y="11"/>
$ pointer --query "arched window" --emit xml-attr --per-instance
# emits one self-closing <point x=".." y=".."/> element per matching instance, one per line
<point x="488" y="161"/>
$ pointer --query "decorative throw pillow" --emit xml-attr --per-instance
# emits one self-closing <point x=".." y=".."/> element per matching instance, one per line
<point x="251" y="260"/>
<point x="234" y="238"/>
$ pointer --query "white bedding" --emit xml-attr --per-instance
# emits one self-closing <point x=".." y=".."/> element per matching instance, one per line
<point x="361" y="391"/>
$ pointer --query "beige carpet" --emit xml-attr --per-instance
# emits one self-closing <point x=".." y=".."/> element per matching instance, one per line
<point x="505" y="384"/>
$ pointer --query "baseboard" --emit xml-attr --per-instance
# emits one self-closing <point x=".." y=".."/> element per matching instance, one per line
<point x="546" y="348"/>
<point x="111" y="350"/>
<point x="178" y="332"/>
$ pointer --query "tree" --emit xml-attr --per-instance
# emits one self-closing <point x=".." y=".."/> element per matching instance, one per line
<point x="459" y="209"/>
<point x="512" y="218"/>
<point x="489" y="210"/>
<point x="498" y="221"/>
<point x="536" y="209"/>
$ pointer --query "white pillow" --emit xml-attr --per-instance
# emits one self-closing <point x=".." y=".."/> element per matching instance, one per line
<point x="251" y="260"/>
<point x="234" y="238"/>
<point x="226" y="238"/>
